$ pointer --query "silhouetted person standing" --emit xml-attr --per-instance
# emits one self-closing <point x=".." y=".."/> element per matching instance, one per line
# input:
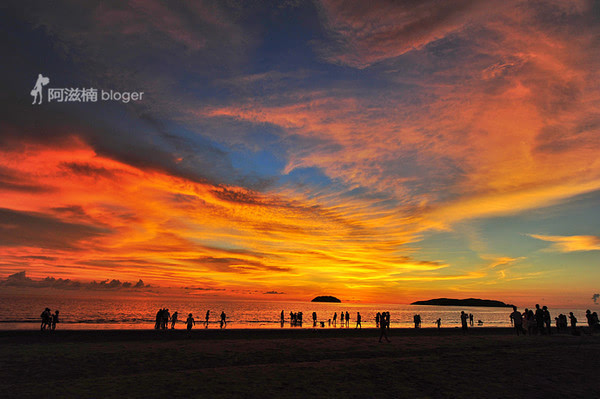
<point x="54" y="320"/>
<point x="463" y="320"/>
<point x="334" y="318"/>
<point x="547" y="320"/>
<point x="539" y="319"/>
<point x="46" y="315"/>
<point x="573" y="323"/>
<point x="377" y="319"/>
<point x="206" y="319"/>
<point x="174" y="320"/>
<point x="471" y="319"/>
<point x="516" y="320"/>
<point x="347" y="319"/>
<point x="342" y="315"/>
<point x="314" y="317"/>
<point x="439" y="323"/>
<point x="223" y="319"/>
<point x="190" y="322"/>
<point x="358" y="319"/>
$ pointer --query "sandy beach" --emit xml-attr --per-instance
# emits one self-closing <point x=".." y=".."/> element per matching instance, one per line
<point x="427" y="363"/>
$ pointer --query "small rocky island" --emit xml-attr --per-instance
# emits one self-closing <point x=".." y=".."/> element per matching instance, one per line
<point x="463" y="302"/>
<point x="326" y="298"/>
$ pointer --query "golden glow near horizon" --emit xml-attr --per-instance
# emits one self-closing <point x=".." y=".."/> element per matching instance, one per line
<point x="412" y="152"/>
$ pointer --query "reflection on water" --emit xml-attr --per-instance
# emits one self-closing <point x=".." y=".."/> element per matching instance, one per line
<point x="88" y="313"/>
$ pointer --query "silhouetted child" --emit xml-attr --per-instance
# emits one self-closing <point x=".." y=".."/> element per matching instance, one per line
<point x="190" y="322"/>
<point x="54" y="320"/>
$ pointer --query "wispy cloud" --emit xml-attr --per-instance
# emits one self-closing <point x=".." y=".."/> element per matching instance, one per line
<point x="570" y="243"/>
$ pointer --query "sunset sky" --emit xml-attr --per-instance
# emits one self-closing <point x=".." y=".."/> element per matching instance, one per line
<point x="378" y="151"/>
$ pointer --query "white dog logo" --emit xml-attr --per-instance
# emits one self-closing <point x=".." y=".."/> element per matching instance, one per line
<point x="37" y="89"/>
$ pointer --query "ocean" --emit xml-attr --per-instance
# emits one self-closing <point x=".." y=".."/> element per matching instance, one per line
<point x="20" y="312"/>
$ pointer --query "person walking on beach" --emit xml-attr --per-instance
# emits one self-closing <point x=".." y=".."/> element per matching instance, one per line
<point x="206" y="318"/>
<point x="45" y="319"/>
<point x="383" y="326"/>
<point x="54" y="320"/>
<point x="190" y="322"/>
<point x="358" y="319"/>
<point x="174" y="319"/>
<point x="223" y="319"/>
<point x="463" y="320"/>
<point x="516" y="319"/>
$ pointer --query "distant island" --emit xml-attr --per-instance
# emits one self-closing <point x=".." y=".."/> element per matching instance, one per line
<point x="326" y="299"/>
<point x="464" y="302"/>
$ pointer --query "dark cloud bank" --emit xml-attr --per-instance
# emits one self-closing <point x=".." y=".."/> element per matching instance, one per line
<point x="21" y="280"/>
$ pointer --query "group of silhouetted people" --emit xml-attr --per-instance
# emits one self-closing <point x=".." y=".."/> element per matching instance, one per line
<point x="539" y="322"/>
<point x="49" y="320"/>
<point x="163" y="317"/>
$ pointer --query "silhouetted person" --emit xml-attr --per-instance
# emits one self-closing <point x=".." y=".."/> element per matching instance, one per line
<point x="539" y="319"/>
<point x="174" y="320"/>
<point x="377" y="319"/>
<point x="347" y="319"/>
<point x="417" y="320"/>
<point x="46" y="316"/>
<point x="223" y="319"/>
<point x="282" y="318"/>
<point x="54" y="320"/>
<point x="471" y="319"/>
<point x="190" y="322"/>
<point x="530" y="322"/>
<point x="334" y="318"/>
<point x="314" y="317"/>
<point x="439" y="323"/>
<point x="158" y="319"/>
<point x="358" y="319"/>
<point x="384" y="326"/>
<point x="206" y="318"/>
<point x="463" y="320"/>
<point x="37" y="89"/>
<point x="342" y="316"/>
<point x="547" y="320"/>
<point x="573" y="323"/>
<point x="516" y="320"/>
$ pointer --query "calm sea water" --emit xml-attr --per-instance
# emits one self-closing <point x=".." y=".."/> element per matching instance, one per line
<point x="137" y="313"/>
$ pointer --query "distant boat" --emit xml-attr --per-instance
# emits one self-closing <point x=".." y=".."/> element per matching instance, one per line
<point x="326" y="298"/>
<point x="464" y="302"/>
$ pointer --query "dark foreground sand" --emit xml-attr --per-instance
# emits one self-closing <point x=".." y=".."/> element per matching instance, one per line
<point x="487" y="363"/>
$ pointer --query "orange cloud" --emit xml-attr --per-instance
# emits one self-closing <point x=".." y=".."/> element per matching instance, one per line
<point x="570" y="243"/>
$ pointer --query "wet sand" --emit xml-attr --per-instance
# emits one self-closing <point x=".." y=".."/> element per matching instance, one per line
<point x="427" y="363"/>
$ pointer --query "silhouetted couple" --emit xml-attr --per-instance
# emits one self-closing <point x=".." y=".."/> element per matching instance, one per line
<point x="417" y="320"/>
<point x="49" y="320"/>
<point x="384" y="326"/>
